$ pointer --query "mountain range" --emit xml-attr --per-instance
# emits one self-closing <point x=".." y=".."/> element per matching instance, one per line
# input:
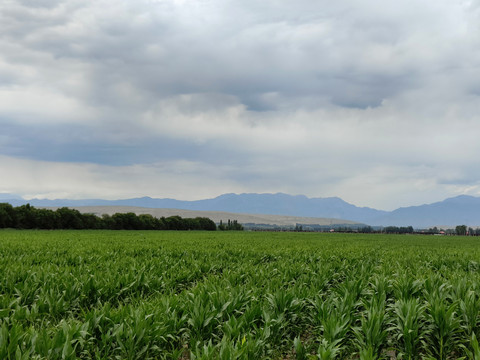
<point x="458" y="210"/>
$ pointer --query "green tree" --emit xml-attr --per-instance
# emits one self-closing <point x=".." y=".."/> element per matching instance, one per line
<point x="147" y="222"/>
<point x="221" y="226"/>
<point x="174" y="223"/>
<point x="7" y="216"/>
<point x="91" y="221"/>
<point x="206" y="224"/>
<point x="25" y="217"/>
<point x="127" y="221"/>
<point x="46" y="219"/>
<point x="461" y="230"/>
<point x="70" y="218"/>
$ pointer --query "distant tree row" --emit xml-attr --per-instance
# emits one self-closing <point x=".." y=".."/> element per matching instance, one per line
<point x="463" y="230"/>
<point x="29" y="217"/>
<point x="230" y="225"/>
<point x="398" y="230"/>
<point x="368" y="229"/>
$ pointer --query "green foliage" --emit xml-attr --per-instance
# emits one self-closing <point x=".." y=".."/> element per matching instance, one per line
<point x="236" y="295"/>
<point x="398" y="230"/>
<point x="473" y="351"/>
<point x="443" y="326"/>
<point x="28" y="217"/>
<point x="461" y="230"/>
<point x="230" y="225"/>
<point x="372" y="332"/>
<point x="408" y="326"/>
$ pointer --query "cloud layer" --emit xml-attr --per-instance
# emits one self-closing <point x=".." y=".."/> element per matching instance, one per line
<point x="188" y="99"/>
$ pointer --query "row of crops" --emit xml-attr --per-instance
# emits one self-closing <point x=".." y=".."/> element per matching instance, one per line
<point x="197" y="295"/>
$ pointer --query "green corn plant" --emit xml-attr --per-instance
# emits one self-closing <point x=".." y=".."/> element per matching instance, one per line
<point x="238" y="298"/>
<point x="173" y="318"/>
<point x="435" y="287"/>
<point x="228" y="350"/>
<point x="40" y="342"/>
<point x="101" y="324"/>
<point x="351" y="290"/>
<point x="473" y="350"/>
<point x="328" y="351"/>
<point x="68" y="339"/>
<point x="300" y="350"/>
<point x="274" y="327"/>
<point x="53" y="303"/>
<point x="10" y="338"/>
<point x="253" y="314"/>
<point x="21" y="314"/>
<point x="405" y="286"/>
<point x="233" y="327"/>
<point x="380" y="285"/>
<point x="176" y="354"/>
<point x="221" y="303"/>
<point x="372" y="332"/>
<point x="368" y="353"/>
<point x="328" y="311"/>
<point x="283" y="302"/>
<point x="206" y="352"/>
<point x="443" y="327"/>
<point x="460" y="287"/>
<point x="140" y="335"/>
<point x="469" y="309"/>
<point x="335" y="327"/>
<point x="346" y="305"/>
<point x="407" y="327"/>
<point x="27" y="290"/>
<point x="22" y="355"/>
<point x="90" y="291"/>
<point x="245" y="348"/>
<point x="319" y="308"/>
<point x="333" y="316"/>
<point x="253" y="347"/>
<point x="201" y="317"/>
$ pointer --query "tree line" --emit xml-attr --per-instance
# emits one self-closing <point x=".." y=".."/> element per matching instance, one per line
<point x="230" y="225"/>
<point x="29" y="217"/>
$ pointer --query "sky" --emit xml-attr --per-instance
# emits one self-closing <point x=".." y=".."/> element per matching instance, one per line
<point x="374" y="102"/>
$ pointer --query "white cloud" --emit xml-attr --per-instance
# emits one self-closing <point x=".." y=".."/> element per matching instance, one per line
<point x="179" y="179"/>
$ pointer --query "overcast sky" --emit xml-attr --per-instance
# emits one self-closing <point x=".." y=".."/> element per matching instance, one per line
<point x="377" y="102"/>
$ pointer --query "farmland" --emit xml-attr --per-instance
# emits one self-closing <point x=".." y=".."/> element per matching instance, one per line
<point x="237" y="295"/>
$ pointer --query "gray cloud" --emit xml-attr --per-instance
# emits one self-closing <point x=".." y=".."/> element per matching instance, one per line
<point x="347" y="99"/>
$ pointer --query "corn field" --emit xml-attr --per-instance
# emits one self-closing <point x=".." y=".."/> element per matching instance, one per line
<point x="199" y="295"/>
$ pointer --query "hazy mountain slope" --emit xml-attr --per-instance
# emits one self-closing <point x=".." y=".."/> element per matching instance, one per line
<point x="453" y="211"/>
<point x="283" y="204"/>
<point x="273" y="204"/>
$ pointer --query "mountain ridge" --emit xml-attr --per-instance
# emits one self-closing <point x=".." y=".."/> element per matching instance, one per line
<point x="462" y="209"/>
